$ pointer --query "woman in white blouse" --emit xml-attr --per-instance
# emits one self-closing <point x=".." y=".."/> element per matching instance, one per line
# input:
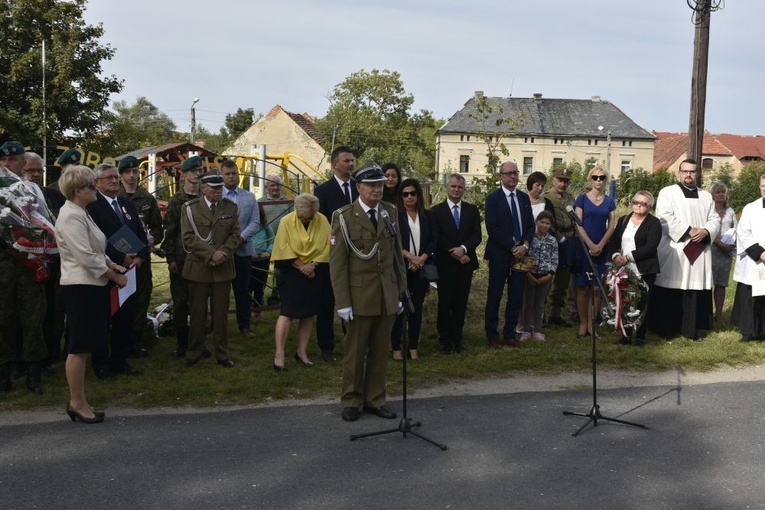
<point x="85" y="274"/>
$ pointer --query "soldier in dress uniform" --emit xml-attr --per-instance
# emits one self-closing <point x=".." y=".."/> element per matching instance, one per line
<point x="210" y="234"/>
<point x="367" y="292"/>
<point x="151" y="219"/>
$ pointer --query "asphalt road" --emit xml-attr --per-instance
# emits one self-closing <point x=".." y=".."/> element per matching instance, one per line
<point x="703" y="449"/>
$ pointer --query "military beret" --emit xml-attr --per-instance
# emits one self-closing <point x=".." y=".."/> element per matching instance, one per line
<point x="12" y="148"/>
<point x="192" y="163"/>
<point x="562" y="173"/>
<point x="370" y="173"/>
<point x="128" y="162"/>
<point x="212" y="179"/>
<point x="69" y="157"/>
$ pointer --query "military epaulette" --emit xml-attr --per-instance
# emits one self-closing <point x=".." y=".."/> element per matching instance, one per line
<point x="344" y="208"/>
<point x="193" y="200"/>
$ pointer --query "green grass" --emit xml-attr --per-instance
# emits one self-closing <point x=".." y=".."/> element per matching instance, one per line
<point x="167" y="383"/>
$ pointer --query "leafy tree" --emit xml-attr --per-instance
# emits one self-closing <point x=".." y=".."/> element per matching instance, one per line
<point x="636" y="179"/>
<point x="77" y="95"/>
<point x="724" y="174"/>
<point x="746" y="187"/>
<point x="370" y="112"/>
<point x="238" y="122"/>
<point x="493" y="126"/>
<point x="139" y="125"/>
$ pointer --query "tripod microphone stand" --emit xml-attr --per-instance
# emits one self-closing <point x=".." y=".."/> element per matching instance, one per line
<point x="405" y="425"/>
<point x="594" y="413"/>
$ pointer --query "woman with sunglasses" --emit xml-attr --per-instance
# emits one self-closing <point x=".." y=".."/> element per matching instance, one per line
<point x="597" y="212"/>
<point x="85" y="274"/>
<point x="418" y="239"/>
<point x="634" y="244"/>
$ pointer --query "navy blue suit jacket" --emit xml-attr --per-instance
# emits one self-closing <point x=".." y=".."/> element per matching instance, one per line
<point x="447" y="236"/>
<point x="103" y="215"/>
<point x="500" y="226"/>
<point x="331" y="196"/>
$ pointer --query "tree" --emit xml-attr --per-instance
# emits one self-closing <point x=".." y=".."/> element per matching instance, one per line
<point x="77" y="95"/>
<point x="139" y="125"/>
<point x="370" y="112"/>
<point x="238" y="122"/>
<point x="493" y="126"/>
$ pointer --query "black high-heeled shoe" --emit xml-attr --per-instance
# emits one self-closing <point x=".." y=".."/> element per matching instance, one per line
<point x="74" y="415"/>
<point x="277" y="368"/>
<point x="307" y="364"/>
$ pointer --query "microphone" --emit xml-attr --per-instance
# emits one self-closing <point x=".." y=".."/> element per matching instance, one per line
<point x="388" y="225"/>
<point x="574" y="216"/>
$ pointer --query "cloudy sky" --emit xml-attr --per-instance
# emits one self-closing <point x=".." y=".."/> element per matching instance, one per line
<point x="258" y="53"/>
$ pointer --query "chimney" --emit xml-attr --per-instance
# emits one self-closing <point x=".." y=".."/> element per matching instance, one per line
<point x="478" y="94"/>
<point x="537" y="96"/>
<point x="595" y="99"/>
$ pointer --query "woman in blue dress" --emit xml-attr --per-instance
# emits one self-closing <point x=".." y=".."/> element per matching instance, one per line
<point x="597" y="212"/>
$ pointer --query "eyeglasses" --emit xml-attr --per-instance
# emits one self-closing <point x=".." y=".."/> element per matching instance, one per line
<point x="641" y="204"/>
<point x="405" y="194"/>
<point x="598" y="177"/>
<point x="509" y="173"/>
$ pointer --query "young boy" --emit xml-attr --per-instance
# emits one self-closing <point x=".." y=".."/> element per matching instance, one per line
<point x="544" y="251"/>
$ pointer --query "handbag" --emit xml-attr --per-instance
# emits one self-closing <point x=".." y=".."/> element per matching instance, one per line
<point x="428" y="272"/>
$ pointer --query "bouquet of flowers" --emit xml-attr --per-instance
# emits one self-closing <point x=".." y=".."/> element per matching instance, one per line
<point x="26" y="224"/>
<point x="625" y="293"/>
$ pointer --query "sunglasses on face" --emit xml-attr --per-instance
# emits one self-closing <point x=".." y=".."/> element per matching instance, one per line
<point x="405" y="194"/>
<point x="639" y="203"/>
<point x="598" y="177"/>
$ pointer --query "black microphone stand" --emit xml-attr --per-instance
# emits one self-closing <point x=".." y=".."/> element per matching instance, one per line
<point x="405" y="425"/>
<point x="594" y="413"/>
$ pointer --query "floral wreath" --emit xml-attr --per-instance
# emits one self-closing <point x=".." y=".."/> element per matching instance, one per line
<point x="625" y="292"/>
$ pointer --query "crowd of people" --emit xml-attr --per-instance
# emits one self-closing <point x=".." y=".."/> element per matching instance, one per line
<point x="363" y="246"/>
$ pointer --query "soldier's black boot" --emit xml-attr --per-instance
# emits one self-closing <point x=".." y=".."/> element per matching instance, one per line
<point x="5" y="378"/>
<point x="34" y="377"/>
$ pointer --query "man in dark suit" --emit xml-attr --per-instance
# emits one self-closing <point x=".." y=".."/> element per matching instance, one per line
<point x="458" y="227"/>
<point x="210" y="234"/>
<point x="368" y="292"/>
<point x="110" y="212"/>
<point x="510" y="226"/>
<point x="338" y="191"/>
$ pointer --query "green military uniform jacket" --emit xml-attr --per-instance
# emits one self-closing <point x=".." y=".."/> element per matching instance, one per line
<point x="148" y="210"/>
<point x="223" y="229"/>
<point x="173" y="244"/>
<point x="371" y="286"/>
<point x="563" y="223"/>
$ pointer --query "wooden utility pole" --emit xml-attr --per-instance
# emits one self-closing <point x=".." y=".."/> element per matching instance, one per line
<point x="702" y="15"/>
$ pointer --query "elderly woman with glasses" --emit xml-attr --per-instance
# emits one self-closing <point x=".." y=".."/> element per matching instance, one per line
<point x="723" y="246"/>
<point x="85" y="275"/>
<point x="634" y="244"/>
<point x="597" y="212"/>
<point x="301" y="253"/>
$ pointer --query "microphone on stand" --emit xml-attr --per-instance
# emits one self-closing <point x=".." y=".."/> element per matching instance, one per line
<point x="574" y="216"/>
<point x="388" y="225"/>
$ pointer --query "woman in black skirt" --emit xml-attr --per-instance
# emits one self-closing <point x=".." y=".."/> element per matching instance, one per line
<point x="85" y="275"/>
<point x="301" y="253"/>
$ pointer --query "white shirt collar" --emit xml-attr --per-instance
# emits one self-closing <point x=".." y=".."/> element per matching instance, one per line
<point x="452" y="204"/>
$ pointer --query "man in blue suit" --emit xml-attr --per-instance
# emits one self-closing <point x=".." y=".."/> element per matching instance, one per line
<point x="510" y="226"/>
<point x="249" y="223"/>
<point x="339" y="191"/>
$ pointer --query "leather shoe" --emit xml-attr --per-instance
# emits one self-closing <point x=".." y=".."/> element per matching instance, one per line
<point x="513" y="343"/>
<point x="381" y="411"/>
<point x="494" y="344"/>
<point x="247" y="333"/>
<point x="192" y="361"/>
<point x="558" y="321"/>
<point x="459" y="348"/>
<point x="206" y="353"/>
<point x="350" y="414"/>
<point x="126" y="369"/>
<point x="138" y="351"/>
<point x="328" y="356"/>
<point x="446" y="349"/>
<point x="179" y="353"/>
<point x="228" y="363"/>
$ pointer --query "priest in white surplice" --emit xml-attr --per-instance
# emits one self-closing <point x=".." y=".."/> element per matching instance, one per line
<point x="682" y="300"/>
<point x="748" y="310"/>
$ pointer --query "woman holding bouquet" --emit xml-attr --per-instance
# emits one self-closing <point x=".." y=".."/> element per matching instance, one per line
<point x="634" y="244"/>
<point x="85" y="274"/>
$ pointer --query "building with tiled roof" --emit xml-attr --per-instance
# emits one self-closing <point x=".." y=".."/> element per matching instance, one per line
<point x="282" y="131"/>
<point x="747" y="149"/>
<point x="672" y="148"/>
<point x="546" y="132"/>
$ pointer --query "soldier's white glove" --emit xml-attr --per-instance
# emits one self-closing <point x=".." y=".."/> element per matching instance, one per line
<point x="346" y="313"/>
<point x="400" y="308"/>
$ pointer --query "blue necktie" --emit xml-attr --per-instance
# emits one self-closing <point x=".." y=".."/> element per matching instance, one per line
<point x="456" y="209"/>
<point x="516" y="218"/>
<point x="116" y="207"/>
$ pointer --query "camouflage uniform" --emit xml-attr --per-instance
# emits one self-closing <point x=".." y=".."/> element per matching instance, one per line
<point x="179" y="286"/>
<point x="151" y="218"/>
